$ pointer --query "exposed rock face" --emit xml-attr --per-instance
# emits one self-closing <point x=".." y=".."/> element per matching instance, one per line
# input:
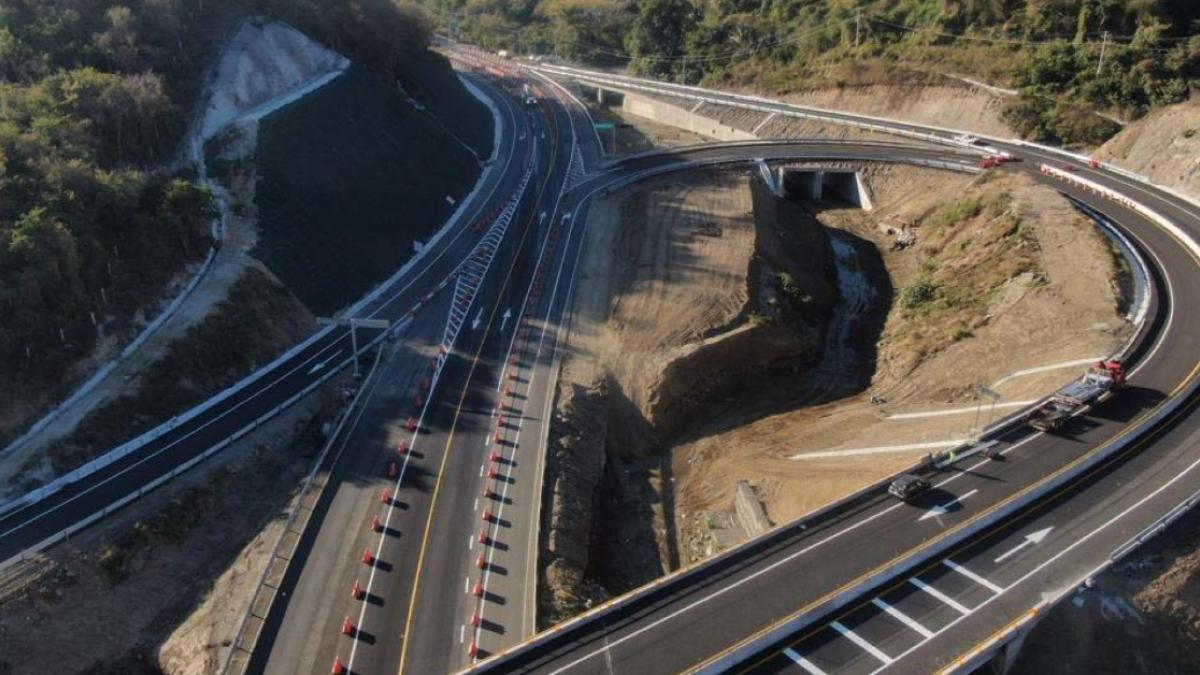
<point x="574" y="464"/>
<point x="1165" y="146"/>
<point x="264" y="61"/>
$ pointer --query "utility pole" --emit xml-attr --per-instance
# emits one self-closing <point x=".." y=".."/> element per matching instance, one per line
<point x="355" y="324"/>
<point x="857" y="26"/>
<point x="1103" y="47"/>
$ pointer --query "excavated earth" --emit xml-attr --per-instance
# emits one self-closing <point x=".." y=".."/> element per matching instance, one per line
<point x="720" y="334"/>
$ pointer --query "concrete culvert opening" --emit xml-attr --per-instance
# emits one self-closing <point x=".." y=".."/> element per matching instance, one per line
<point x="813" y="184"/>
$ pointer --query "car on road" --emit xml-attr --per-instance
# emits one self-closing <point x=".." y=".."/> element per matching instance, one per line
<point x="908" y="487"/>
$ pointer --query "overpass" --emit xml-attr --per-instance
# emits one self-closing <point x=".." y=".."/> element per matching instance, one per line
<point x="871" y="585"/>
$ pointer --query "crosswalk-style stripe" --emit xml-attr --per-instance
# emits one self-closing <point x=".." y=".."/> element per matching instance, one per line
<point x="939" y="595"/>
<point x="903" y="618"/>
<point x="972" y="576"/>
<point x="802" y="662"/>
<point x="858" y="640"/>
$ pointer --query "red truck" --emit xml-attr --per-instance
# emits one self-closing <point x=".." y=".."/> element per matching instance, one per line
<point x="1096" y="385"/>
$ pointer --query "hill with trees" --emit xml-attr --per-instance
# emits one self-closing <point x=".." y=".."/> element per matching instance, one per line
<point x="1068" y="58"/>
<point x="95" y="96"/>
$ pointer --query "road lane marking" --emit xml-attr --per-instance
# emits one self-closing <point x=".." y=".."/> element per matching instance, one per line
<point x="903" y="618"/>
<point x="972" y="576"/>
<point x="943" y="509"/>
<point x="449" y="444"/>
<point x="956" y="411"/>
<point x="1031" y="539"/>
<point x="802" y="662"/>
<point x="880" y="449"/>
<point x="861" y="642"/>
<point x="939" y="595"/>
<point x="775" y="565"/>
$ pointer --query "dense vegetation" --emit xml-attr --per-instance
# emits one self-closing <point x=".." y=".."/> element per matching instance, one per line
<point x="1051" y="50"/>
<point x="94" y="98"/>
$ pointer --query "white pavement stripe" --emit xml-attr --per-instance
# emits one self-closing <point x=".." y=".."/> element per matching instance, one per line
<point x="858" y="640"/>
<point x="903" y="618"/>
<point x="802" y="662"/>
<point x="1043" y="369"/>
<point x="956" y="411"/>
<point x="972" y="576"/>
<point x="943" y="509"/>
<point x="880" y="449"/>
<point x="939" y="595"/>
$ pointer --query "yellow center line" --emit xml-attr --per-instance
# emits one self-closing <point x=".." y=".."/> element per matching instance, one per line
<point x="412" y="602"/>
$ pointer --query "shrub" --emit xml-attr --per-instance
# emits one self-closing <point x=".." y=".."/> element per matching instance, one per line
<point x="919" y="293"/>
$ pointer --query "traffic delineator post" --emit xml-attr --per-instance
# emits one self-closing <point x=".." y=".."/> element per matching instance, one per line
<point x="475" y="618"/>
<point x="477" y="591"/>
<point x="487" y="516"/>
<point x="410" y="424"/>
<point x="492" y="473"/>
<point x="495" y="457"/>
<point x="473" y="650"/>
<point x="483" y="536"/>
<point x="393" y="470"/>
<point x="402" y="447"/>
<point x="481" y="562"/>
<point x="385" y="497"/>
<point x="339" y="668"/>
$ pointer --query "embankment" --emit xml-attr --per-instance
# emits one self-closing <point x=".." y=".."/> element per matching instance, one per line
<point x="748" y="292"/>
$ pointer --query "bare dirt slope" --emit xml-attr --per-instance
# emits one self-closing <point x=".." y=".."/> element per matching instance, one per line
<point x="1164" y="145"/>
<point x="1141" y="617"/>
<point x="1020" y="281"/>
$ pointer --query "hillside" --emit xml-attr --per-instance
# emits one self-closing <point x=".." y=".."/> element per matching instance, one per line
<point x="99" y="226"/>
<point x="1066" y="58"/>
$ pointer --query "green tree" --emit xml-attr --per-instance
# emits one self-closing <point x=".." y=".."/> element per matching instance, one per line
<point x="658" y="36"/>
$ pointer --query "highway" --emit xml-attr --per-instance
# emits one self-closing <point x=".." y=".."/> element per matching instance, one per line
<point x="810" y="585"/>
<point x="463" y="505"/>
<point x="446" y="579"/>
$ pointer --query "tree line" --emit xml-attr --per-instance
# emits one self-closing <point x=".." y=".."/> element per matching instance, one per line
<point x="94" y="98"/>
<point x="1068" y="58"/>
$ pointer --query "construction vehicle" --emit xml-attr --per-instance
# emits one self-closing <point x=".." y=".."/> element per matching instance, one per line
<point x="1096" y="385"/>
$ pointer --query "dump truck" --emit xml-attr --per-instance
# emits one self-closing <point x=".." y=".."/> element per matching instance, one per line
<point x="1096" y="385"/>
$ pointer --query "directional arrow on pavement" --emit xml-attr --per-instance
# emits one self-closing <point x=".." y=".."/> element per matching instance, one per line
<point x="1030" y="539"/>
<point x="478" y="318"/>
<point x="322" y="364"/>
<point x="505" y="318"/>
<point x="943" y="509"/>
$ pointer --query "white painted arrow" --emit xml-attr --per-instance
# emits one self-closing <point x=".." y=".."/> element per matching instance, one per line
<point x="323" y="363"/>
<point x="505" y="318"/>
<point x="478" y="319"/>
<point x="1030" y="539"/>
<point x="542" y="218"/>
<point x="943" y="509"/>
